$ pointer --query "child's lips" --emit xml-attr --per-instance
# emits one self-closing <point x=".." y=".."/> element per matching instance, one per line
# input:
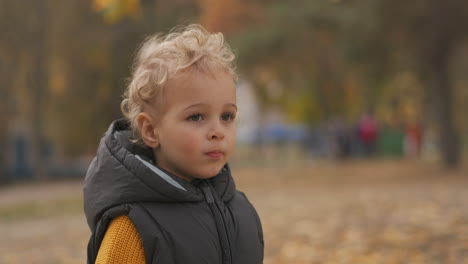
<point x="215" y="154"/>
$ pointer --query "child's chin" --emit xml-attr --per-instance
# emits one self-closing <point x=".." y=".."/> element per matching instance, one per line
<point x="208" y="174"/>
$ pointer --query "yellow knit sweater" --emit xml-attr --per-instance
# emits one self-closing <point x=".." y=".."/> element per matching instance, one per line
<point x="121" y="244"/>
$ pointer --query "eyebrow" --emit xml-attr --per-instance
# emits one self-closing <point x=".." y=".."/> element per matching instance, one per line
<point x="203" y="104"/>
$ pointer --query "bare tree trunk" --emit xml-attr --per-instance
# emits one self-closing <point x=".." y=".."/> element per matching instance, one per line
<point x="39" y="84"/>
<point x="441" y="92"/>
<point x="6" y="73"/>
<point x="448" y="138"/>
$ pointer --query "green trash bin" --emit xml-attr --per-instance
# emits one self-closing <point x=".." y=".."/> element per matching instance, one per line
<point x="390" y="143"/>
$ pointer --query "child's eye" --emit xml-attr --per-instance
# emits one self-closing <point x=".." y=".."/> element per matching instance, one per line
<point x="228" y="117"/>
<point x="195" y="117"/>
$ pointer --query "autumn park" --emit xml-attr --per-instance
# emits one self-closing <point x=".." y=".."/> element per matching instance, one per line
<point x="352" y="139"/>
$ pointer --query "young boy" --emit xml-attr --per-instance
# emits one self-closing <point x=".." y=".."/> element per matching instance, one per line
<point x="160" y="190"/>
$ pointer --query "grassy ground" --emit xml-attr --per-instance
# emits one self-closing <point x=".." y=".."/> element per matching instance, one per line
<point x="312" y="212"/>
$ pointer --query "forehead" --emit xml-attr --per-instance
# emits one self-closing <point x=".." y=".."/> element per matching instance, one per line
<point x="199" y="87"/>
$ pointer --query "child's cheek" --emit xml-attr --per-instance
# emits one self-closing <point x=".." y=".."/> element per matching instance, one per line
<point x="191" y="144"/>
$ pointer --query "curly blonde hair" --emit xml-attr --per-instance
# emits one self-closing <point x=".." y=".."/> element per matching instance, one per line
<point x="161" y="57"/>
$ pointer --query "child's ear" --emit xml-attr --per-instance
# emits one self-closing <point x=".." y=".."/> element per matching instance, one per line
<point x="148" y="130"/>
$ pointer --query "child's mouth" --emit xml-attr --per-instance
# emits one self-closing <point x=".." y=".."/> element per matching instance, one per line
<point x="215" y="154"/>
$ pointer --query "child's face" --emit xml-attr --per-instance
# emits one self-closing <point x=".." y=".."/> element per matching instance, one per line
<point x="197" y="130"/>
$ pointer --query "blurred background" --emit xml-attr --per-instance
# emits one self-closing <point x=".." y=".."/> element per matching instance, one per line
<point x="352" y="134"/>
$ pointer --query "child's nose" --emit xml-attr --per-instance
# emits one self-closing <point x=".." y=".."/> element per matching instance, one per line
<point x="216" y="132"/>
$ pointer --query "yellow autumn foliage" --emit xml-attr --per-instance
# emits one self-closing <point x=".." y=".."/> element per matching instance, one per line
<point x="115" y="10"/>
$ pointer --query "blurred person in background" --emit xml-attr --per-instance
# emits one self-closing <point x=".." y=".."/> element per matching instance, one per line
<point x="367" y="130"/>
